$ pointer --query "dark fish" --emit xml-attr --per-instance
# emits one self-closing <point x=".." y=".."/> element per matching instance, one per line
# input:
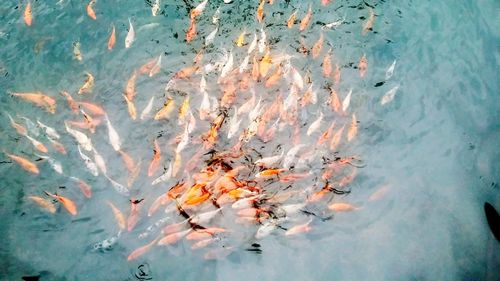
<point x="379" y="84"/>
<point x="493" y="219"/>
<point x="31" y="278"/>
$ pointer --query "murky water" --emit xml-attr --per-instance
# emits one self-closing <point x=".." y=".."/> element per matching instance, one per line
<point x="414" y="167"/>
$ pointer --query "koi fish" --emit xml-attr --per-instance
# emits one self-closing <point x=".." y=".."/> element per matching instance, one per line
<point x="316" y="49"/>
<point x="57" y="145"/>
<point x="131" y="108"/>
<point x="211" y="36"/>
<point x="198" y="9"/>
<point x="241" y="39"/>
<point x="260" y="11"/>
<point x="28" y="17"/>
<point x="71" y="102"/>
<point x="346" y="101"/>
<point x="173" y="238"/>
<point x="327" y="64"/>
<point x="91" y="165"/>
<point x="133" y="217"/>
<point x="389" y="96"/>
<point x="24" y="163"/>
<point x="119" y="217"/>
<point x="112" y="38"/>
<point x="130" y="38"/>
<point x="166" y="110"/>
<point x="262" y="41"/>
<point x="147" y="110"/>
<point x="80" y="137"/>
<point x="130" y="87"/>
<point x="205" y="217"/>
<point x="155" y="8"/>
<point x="291" y="20"/>
<point x="265" y="229"/>
<point x="269" y="173"/>
<point x="44" y="203"/>
<point x="342" y="207"/>
<point x="334" y="100"/>
<point x="142" y="250"/>
<point x="67" y="203"/>
<point x="84" y="187"/>
<point x="301" y="228"/>
<point x="114" y="138"/>
<point x="291" y="155"/>
<point x="315" y="125"/>
<point x="191" y="32"/>
<point x="20" y="129"/>
<point x="156" y="68"/>
<point x="368" y="25"/>
<point x="269" y="161"/>
<point x="39" y="99"/>
<point x="353" y="129"/>
<point x="362" y="66"/>
<point x="155" y="162"/>
<point x="90" y="10"/>
<point x="87" y="85"/>
<point x="56" y="165"/>
<point x="77" y="53"/>
<point x="306" y="19"/>
<point x="390" y="71"/>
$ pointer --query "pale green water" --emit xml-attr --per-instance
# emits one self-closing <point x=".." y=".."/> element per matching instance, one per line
<point x="434" y="146"/>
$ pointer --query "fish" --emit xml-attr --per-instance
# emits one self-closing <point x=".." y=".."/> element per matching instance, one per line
<point x="291" y="20"/>
<point x="347" y="101"/>
<point x="112" y="38"/>
<point x="106" y="244"/>
<point x="204" y="218"/>
<point x="166" y="110"/>
<point x="362" y="66"/>
<point x="165" y="176"/>
<point x="390" y="70"/>
<point x="389" y="95"/>
<point x="84" y="187"/>
<point x="117" y="186"/>
<point x="73" y="105"/>
<point x="130" y="38"/>
<point x="130" y="87"/>
<point x="198" y="9"/>
<point x="147" y="110"/>
<point x="244" y="64"/>
<point x="80" y="137"/>
<point x="20" y="129"/>
<point x="131" y="108"/>
<point x="92" y="108"/>
<point x="342" y="207"/>
<point x="142" y="250"/>
<point x="59" y="147"/>
<point x="114" y="138"/>
<point x="306" y="19"/>
<point x="133" y="216"/>
<point x="234" y="124"/>
<point x="184" y="140"/>
<point x="260" y="11"/>
<point x="90" y="10"/>
<point x="67" y="203"/>
<point x="262" y="41"/>
<point x="297" y="229"/>
<point x="211" y="36"/>
<point x="248" y="105"/>
<point x="353" y="128"/>
<point x="297" y="78"/>
<point x="204" y="106"/>
<point x="99" y="161"/>
<point x="191" y="32"/>
<point x="368" y="25"/>
<point x="24" y="163"/>
<point x="40" y="99"/>
<point x="44" y="203"/>
<point x="269" y="173"/>
<point x="493" y="220"/>
<point x="56" y="165"/>
<point x="316" y="49"/>
<point x="155" y="8"/>
<point x="241" y="39"/>
<point x="334" y="143"/>
<point x="28" y="15"/>
<point x="228" y="66"/>
<point x="173" y="238"/>
<point x="88" y="85"/>
<point x="253" y="44"/>
<point x="77" y="53"/>
<point x="91" y="165"/>
<point x="216" y="16"/>
<point x="265" y="229"/>
<point x="155" y="162"/>
<point x="327" y="64"/>
<point x="51" y="132"/>
<point x="119" y="217"/>
<point x="315" y="124"/>
<point x="270" y="160"/>
<point x="291" y="155"/>
<point x="203" y="243"/>
<point x="334" y="100"/>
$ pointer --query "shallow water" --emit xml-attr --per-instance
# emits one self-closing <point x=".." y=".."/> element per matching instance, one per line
<point x="432" y="150"/>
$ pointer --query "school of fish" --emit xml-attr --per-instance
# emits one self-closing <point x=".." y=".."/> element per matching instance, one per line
<point x="223" y="166"/>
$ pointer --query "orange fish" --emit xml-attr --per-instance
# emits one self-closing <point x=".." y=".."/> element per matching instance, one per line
<point x="28" y="18"/>
<point x="306" y="19"/>
<point x="71" y="102"/>
<point x="133" y="216"/>
<point x="58" y="146"/>
<point x="200" y="234"/>
<point x="274" y="78"/>
<point x="39" y="99"/>
<point x="112" y="38"/>
<point x="20" y="129"/>
<point x="85" y="188"/>
<point x="353" y="129"/>
<point x="120" y="218"/>
<point x="368" y="26"/>
<point x="362" y="66"/>
<point x="334" y="143"/>
<point x="334" y="101"/>
<point x="142" y="250"/>
<point x="68" y="204"/>
<point x="191" y="33"/>
<point x="325" y="2"/>
<point x="336" y="75"/>
<point x="173" y="238"/>
<point x="269" y="172"/>
<point x="155" y="162"/>
<point x="327" y="65"/>
<point x="44" y="203"/>
<point x="131" y="108"/>
<point x="265" y="64"/>
<point x="260" y="11"/>
<point x="342" y="207"/>
<point x="130" y="87"/>
<point x="90" y="10"/>
<point x="316" y="49"/>
<point x="326" y="134"/>
<point x="92" y="108"/>
<point x="291" y="20"/>
<point x="24" y="163"/>
<point x="301" y="228"/>
<point x="255" y="69"/>
<point x="129" y="162"/>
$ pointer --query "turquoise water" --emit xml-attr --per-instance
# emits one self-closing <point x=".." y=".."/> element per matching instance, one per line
<point x="432" y="150"/>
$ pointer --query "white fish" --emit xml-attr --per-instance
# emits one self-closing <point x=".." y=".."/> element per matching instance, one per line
<point x="155" y="8"/>
<point x="333" y="24"/>
<point x="265" y="229"/>
<point x="210" y="37"/>
<point x="269" y="161"/>
<point x="252" y="129"/>
<point x="228" y="66"/>
<point x="244" y="64"/>
<point x="91" y="166"/>
<point x="346" y="101"/>
<point x="248" y="105"/>
<point x="297" y="78"/>
<point x="101" y="164"/>
<point x="314" y="95"/>
<point x="165" y="176"/>
<point x="184" y="140"/>
<point x="253" y="44"/>
<point x="205" y="217"/>
<point x="156" y="68"/>
<point x="148" y="26"/>
<point x="234" y="124"/>
<point x="216" y="16"/>
<point x="130" y="35"/>
<point x="191" y="124"/>
<point x="203" y="84"/>
<point x="114" y="139"/>
<point x="389" y="96"/>
<point x="290" y="156"/>
<point x="291" y="99"/>
<point x="228" y="1"/>
<point x="204" y="106"/>
<point x="245" y="202"/>
<point x="35" y="142"/>
<point x="32" y="128"/>
<point x="315" y="125"/>
<point x="171" y="83"/>
<point x="56" y="165"/>
<point x="80" y="137"/>
<point x="201" y="7"/>
<point x="262" y="41"/>
<point x="51" y="132"/>
<point x="106" y="244"/>
<point x="256" y="111"/>
<point x="117" y="186"/>
<point x="148" y="108"/>
<point x="390" y="70"/>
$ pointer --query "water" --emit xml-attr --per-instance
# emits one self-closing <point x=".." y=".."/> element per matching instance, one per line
<point x="431" y="150"/>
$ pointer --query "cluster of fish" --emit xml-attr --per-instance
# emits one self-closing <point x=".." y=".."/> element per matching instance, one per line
<point x="238" y="172"/>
